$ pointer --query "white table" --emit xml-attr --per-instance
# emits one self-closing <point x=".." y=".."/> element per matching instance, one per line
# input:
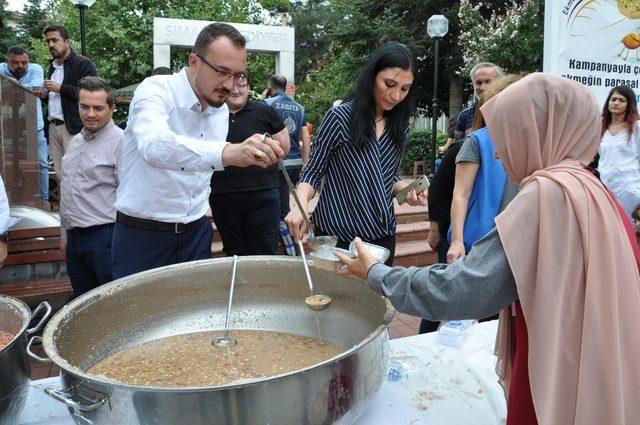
<point x="444" y="386"/>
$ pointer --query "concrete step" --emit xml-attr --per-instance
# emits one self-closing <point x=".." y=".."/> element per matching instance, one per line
<point x="408" y="214"/>
<point x="414" y="253"/>
<point x="418" y="230"/>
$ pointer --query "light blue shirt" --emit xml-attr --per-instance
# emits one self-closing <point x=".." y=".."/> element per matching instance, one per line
<point x="292" y="113"/>
<point x="33" y="78"/>
<point x="169" y="151"/>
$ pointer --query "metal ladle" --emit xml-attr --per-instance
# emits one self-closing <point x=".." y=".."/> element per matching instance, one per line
<point x="314" y="302"/>
<point x="226" y="340"/>
<point x="315" y="242"/>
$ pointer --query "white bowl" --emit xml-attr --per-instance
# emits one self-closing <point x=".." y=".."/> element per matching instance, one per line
<point x="380" y="253"/>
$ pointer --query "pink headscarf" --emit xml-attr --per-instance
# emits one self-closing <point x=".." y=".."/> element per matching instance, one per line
<point x="576" y="275"/>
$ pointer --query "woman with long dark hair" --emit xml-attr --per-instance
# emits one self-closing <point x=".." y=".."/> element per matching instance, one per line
<point x="619" y="150"/>
<point x="357" y="152"/>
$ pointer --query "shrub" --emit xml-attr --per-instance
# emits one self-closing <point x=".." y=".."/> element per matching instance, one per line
<point x="418" y="149"/>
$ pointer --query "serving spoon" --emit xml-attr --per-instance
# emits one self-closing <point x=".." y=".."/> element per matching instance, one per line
<point x="315" y="242"/>
<point x="226" y="340"/>
<point x="314" y="302"/>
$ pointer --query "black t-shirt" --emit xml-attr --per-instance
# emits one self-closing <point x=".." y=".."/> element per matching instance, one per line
<point x="253" y="118"/>
<point x="441" y="189"/>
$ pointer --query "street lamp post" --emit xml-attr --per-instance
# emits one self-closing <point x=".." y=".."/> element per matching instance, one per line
<point x="82" y="5"/>
<point x="437" y="27"/>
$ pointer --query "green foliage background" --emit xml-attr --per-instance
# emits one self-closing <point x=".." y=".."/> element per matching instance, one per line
<point x="334" y="38"/>
<point x="417" y="149"/>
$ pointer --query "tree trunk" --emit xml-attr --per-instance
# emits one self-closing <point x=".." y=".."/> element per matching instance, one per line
<point x="456" y="95"/>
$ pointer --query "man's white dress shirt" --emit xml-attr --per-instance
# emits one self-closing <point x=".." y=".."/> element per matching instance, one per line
<point x="55" y="101"/>
<point x="170" y="149"/>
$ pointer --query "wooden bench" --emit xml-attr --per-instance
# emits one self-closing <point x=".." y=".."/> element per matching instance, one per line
<point x="33" y="246"/>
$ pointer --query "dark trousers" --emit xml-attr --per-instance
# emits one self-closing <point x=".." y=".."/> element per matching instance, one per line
<point x="136" y="250"/>
<point x="248" y="221"/>
<point x="89" y="258"/>
<point x="388" y="242"/>
<point x="427" y="325"/>
<point x="294" y="175"/>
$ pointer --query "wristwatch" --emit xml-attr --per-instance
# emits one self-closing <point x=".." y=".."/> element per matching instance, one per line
<point x="4" y="237"/>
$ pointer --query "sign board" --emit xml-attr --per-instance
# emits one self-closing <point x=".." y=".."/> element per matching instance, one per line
<point x="595" y="42"/>
<point x="260" y="38"/>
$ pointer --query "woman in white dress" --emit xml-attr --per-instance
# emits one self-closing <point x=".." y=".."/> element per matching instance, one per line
<point x="619" y="150"/>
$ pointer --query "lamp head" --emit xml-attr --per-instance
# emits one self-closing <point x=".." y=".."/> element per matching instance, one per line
<point x="83" y="3"/>
<point x="437" y="26"/>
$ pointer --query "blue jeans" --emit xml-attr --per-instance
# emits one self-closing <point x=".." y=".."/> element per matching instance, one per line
<point x="89" y="258"/>
<point x="136" y="250"/>
<point x="43" y="166"/>
<point x="248" y="222"/>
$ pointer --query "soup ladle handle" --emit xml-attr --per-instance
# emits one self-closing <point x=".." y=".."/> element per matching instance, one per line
<point x="233" y="284"/>
<point x="306" y="266"/>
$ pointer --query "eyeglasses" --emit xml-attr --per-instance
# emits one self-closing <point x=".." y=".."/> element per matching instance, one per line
<point x="239" y="78"/>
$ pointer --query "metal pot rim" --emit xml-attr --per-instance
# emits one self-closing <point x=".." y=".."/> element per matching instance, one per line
<point x="21" y="308"/>
<point x="107" y="289"/>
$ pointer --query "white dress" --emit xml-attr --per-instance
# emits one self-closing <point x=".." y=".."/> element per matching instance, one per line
<point x="619" y="166"/>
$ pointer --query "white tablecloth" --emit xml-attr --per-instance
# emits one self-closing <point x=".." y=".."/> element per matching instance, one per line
<point x="443" y="386"/>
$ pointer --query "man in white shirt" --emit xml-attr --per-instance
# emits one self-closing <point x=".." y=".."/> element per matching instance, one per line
<point x="175" y="139"/>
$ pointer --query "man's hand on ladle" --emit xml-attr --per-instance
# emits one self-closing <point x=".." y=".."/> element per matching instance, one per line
<point x="358" y="266"/>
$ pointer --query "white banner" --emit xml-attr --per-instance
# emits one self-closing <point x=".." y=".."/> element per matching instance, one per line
<point x="595" y="42"/>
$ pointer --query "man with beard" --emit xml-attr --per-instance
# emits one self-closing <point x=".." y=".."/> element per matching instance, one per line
<point x="66" y="69"/>
<point x="31" y="75"/>
<point x="175" y="139"/>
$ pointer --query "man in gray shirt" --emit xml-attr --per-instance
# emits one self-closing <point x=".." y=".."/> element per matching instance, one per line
<point x="88" y="191"/>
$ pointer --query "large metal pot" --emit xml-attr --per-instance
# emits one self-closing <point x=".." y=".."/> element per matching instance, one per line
<point x="15" y="368"/>
<point x="190" y="297"/>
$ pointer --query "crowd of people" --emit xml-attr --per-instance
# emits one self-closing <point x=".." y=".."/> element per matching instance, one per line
<point x="513" y="199"/>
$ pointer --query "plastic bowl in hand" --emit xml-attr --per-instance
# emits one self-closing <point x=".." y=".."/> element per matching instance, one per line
<point x="317" y="243"/>
<point x="380" y="253"/>
<point x="324" y="258"/>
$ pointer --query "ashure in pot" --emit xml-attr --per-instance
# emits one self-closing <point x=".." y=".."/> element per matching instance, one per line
<point x="191" y="297"/>
<point x="15" y="368"/>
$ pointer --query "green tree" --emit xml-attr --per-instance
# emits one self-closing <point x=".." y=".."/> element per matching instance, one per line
<point x="313" y="21"/>
<point x="119" y="33"/>
<point x="322" y="86"/>
<point x="359" y="26"/>
<point x="7" y="33"/>
<point x="32" y="24"/>
<point x="512" y="38"/>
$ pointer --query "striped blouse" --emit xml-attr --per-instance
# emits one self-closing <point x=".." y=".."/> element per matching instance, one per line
<point x="357" y="197"/>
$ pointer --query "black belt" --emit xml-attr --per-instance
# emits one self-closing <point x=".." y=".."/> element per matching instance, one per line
<point x="158" y="226"/>
<point x="56" y="122"/>
<point x="90" y="228"/>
